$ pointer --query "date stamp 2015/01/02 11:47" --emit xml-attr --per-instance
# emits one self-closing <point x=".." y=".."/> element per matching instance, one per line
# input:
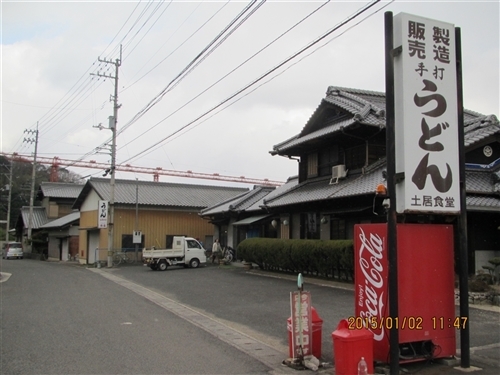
<point x="405" y="322"/>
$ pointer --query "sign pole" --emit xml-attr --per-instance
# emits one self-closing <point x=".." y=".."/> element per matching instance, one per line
<point x="391" y="189"/>
<point x="300" y="288"/>
<point x="461" y="226"/>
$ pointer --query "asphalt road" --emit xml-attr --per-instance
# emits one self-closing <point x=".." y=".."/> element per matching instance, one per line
<point x="57" y="319"/>
<point x="63" y="318"/>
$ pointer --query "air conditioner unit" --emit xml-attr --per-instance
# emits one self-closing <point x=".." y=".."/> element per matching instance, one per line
<point x="338" y="172"/>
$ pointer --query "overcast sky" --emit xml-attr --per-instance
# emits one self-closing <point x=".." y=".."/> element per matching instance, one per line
<point x="50" y="49"/>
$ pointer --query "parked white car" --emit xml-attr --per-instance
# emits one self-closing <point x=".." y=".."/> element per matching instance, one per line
<point x="12" y="250"/>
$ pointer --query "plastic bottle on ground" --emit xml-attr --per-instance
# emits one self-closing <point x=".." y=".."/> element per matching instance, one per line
<point x="362" y="367"/>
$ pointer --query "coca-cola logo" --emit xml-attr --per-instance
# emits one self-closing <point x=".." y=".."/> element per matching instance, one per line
<point x="370" y="258"/>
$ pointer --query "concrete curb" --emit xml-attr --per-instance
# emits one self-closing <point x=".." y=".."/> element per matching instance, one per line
<point x="346" y="286"/>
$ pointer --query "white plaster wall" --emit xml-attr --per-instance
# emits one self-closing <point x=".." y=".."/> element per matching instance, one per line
<point x="91" y="202"/>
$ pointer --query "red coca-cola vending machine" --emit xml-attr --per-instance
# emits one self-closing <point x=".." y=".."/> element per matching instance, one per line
<point x="426" y="303"/>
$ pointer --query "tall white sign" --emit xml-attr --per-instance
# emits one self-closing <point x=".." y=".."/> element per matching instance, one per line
<point x="102" y="214"/>
<point x="426" y="117"/>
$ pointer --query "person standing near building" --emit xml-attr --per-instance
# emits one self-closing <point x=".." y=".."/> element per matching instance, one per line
<point x="215" y="250"/>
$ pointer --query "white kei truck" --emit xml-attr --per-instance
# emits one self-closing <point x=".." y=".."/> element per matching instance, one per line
<point x="185" y="251"/>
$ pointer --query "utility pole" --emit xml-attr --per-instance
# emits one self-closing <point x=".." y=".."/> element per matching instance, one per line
<point x="136" y="224"/>
<point x="112" y="125"/>
<point x="7" y="238"/>
<point x="33" y="176"/>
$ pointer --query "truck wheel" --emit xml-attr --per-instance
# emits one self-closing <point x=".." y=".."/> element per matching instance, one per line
<point x="162" y="265"/>
<point x="194" y="263"/>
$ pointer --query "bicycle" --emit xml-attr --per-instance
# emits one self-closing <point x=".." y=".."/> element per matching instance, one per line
<point x="227" y="255"/>
<point x="121" y="257"/>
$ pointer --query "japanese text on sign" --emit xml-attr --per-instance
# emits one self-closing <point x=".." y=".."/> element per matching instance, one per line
<point x="300" y="303"/>
<point x="426" y="116"/>
<point x="102" y="214"/>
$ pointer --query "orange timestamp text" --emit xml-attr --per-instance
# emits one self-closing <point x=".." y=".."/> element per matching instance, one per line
<point x="405" y="322"/>
<point x="385" y="322"/>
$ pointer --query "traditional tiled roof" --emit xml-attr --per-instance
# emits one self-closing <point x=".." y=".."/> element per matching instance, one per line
<point x="159" y="193"/>
<point x="319" y="189"/>
<point x="290" y="184"/>
<point x="250" y="201"/>
<point x="479" y="182"/>
<point x="240" y="202"/>
<point x="59" y="190"/>
<point x="368" y="108"/>
<point x="482" y="203"/>
<point x="478" y="128"/>
<point x="298" y="140"/>
<point x="479" y="186"/>
<point x="365" y="107"/>
<point x="496" y="181"/>
<point x="63" y="221"/>
<point x="39" y="217"/>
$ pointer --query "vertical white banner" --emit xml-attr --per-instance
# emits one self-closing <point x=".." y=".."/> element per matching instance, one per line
<point x="102" y="214"/>
<point x="300" y="303"/>
<point x="426" y="117"/>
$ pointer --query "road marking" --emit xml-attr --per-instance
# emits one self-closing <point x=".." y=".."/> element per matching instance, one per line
<point x="4" y="276"/>
<point x="260" y="351"/>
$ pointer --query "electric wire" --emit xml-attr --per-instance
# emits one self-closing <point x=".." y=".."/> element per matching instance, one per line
<point x="225" y="101"/>
<point x="179" y="46"/>
<point x="121" y="28"/>
<point x="129" y="52"/>
<point x="96" y="149"/>
<point x="282" y="72"/>
<point x="232" y="71"/>
<point x="64" y="113"/>
<point x="114" y="51"/>
<point x="160" y="96"/>
<point x="212" y="49"/>
<point x="162" y="93"/>
<point x="59" y="106"/>
<point x="62" y="109"/>
<point x="246" y="87"/>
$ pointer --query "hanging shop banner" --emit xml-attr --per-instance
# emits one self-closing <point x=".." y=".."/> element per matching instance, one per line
<point x="102" y="214"/>
<point x="426" y="116"/>
<point x="300" y="303"/>
<point x="137" y="236"/>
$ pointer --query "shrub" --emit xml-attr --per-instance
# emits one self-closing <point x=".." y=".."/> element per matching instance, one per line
<point x="477" y="285"/>
<point x="314" y="257"/>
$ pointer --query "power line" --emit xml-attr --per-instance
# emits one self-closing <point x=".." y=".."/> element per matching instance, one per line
<point x="246" y="87"/>
<point x="180" y="45"/>
<point x="232" y="71"/>
<point x="77" y="92"/>
<point x="282" y="72"/>
<point x="147" y="32"/>
<point x="165" y="90"/>
<point x="160" y="96"/>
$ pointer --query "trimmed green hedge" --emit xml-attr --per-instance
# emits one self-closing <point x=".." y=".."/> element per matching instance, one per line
<point x="334" y="258"/>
